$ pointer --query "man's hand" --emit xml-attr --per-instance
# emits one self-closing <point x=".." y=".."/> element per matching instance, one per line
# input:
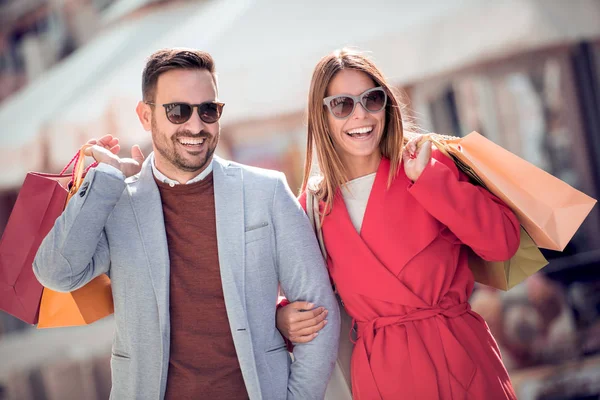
<point x="105" y="150"/>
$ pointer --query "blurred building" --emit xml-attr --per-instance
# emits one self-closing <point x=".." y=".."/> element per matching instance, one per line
<point x="36" y="34"/>
<point x="524" y="73"/>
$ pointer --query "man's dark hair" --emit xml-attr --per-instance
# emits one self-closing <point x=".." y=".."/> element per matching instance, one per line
<point x="169" y="59"/>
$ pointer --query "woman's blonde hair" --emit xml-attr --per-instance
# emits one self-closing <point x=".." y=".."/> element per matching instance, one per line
<point x="334" y="175"/>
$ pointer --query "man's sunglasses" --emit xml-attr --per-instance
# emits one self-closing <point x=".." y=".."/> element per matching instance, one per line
<point x="341" y="106"/>
<point x="180" y="113"/>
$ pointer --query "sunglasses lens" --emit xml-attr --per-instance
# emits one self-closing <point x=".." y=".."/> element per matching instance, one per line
<point x="178" y="113"/>
<point x="375" y="100"/>
<point x="210" y="112"/>
<point x="341" y="106"/>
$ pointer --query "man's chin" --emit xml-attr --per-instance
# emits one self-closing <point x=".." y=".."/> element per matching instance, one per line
<point x="193" y="166"/>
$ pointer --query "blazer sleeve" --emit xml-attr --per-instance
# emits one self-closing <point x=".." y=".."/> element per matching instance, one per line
<point x="303" y="276"/>
<point x="76" y="250"/>
<point x="475" y="216"/>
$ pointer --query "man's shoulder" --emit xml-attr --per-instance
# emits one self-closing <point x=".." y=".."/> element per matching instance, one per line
<point x="252" y="172"/>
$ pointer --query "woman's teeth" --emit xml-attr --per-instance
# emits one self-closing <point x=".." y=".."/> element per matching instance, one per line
<point x="360" y="131"/>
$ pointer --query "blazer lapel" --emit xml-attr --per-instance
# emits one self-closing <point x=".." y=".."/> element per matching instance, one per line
<point x="147" y="206"/>
<point x="229" y="209"/>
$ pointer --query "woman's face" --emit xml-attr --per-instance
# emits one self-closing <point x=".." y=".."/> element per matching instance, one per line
<point x="356" y="138"/>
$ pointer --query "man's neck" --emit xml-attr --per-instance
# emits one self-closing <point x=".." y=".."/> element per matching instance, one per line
<point x="175" y="174"/>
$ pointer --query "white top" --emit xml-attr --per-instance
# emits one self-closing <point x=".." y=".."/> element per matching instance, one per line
<point x="356" y="195"/>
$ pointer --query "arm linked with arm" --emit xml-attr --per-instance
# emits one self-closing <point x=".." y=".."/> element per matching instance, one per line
<point x="303" y="276"/>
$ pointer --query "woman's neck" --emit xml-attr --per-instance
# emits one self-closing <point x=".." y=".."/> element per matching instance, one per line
<point x="361" y="166"/>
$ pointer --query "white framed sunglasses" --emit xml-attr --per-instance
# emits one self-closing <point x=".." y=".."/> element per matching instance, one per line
<point x="341" y="106"/>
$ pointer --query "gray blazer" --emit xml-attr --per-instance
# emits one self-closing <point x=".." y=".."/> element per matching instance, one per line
<point x="264" y="239"/>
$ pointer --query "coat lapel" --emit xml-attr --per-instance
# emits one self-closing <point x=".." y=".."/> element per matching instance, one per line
<point x="349" y="269"/>
<point x="395" y="228"/>
<point x="229" y="209"/>
<point x="147" y="206"/>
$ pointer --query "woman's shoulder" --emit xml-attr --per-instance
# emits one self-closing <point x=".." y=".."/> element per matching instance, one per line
<point x="311" y="188"/>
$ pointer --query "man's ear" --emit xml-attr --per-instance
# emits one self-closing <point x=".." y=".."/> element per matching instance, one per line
<point x="144" y="112"/>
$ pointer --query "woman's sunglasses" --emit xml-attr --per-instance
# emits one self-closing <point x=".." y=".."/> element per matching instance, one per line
<point x="180" y="113"/>
<point x="342" y="106"/>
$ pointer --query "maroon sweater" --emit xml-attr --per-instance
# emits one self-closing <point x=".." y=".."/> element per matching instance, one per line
<point x="203" y="363"/>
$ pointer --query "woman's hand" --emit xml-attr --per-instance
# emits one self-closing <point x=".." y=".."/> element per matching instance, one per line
<point x="416" y="157"/>
<point x="300" y="322"/>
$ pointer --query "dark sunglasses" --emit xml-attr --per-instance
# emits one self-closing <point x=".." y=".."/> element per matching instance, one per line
<point x="341" y="106"/>
<point x="180" y="113"/>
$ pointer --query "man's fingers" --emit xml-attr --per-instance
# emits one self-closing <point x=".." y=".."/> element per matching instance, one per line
<point x="113" y="143"/>
<point x="89" y="151"/>
<point x="136" y="154"/>
<point x="115" y="149"/>
<point x="101" y="154"/>
<point x="105" y="140"/>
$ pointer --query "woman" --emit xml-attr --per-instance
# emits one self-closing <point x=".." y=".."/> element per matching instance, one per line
<point x="397" y="221"/>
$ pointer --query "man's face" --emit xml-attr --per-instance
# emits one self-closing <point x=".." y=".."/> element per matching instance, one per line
<point x="178" y="148"/>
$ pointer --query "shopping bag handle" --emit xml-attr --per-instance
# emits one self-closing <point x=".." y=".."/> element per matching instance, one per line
<point x="441" y="142"/>
<point x="78" y="172"/>
<point x="437" y="140"/>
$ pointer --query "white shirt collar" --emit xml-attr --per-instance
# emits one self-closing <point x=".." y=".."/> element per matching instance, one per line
<point x="161" y="177"/>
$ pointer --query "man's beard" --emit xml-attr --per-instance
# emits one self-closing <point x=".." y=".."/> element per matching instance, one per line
<point x="166" y="147"/>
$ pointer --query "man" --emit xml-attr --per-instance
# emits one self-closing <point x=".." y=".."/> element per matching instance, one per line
<point x="196" y="248"/>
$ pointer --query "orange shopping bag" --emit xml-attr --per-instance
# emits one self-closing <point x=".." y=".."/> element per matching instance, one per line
<point x="80" y="307"/>
<point x="549" y="209"/>
<point x="84" y="305"/>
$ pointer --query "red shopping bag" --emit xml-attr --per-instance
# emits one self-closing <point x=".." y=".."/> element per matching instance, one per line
<point x="41" y="200"/>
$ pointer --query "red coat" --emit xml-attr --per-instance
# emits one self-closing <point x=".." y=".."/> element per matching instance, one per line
<point x="406" y="282"/>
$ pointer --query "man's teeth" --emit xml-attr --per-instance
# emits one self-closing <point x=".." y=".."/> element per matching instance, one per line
<point x="192" y="141"/>
<point x="358" y="131"/>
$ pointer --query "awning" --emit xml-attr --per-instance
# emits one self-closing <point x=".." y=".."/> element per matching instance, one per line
<point x="265" y="52"/>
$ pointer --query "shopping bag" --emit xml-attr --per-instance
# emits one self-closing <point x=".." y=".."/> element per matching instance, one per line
<point x="549" y="209"/>
<point x="86" y="304"/>
<point x="504" y="275"/>
<point x="537" y="207"/>
<point x="41" y="200"/>
<point x="83" y="306"/>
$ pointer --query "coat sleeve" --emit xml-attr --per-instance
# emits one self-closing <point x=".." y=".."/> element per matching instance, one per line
<point x="76" y="250"/>
<point x="303" y="276"/>
<point x="475" y="216"/>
